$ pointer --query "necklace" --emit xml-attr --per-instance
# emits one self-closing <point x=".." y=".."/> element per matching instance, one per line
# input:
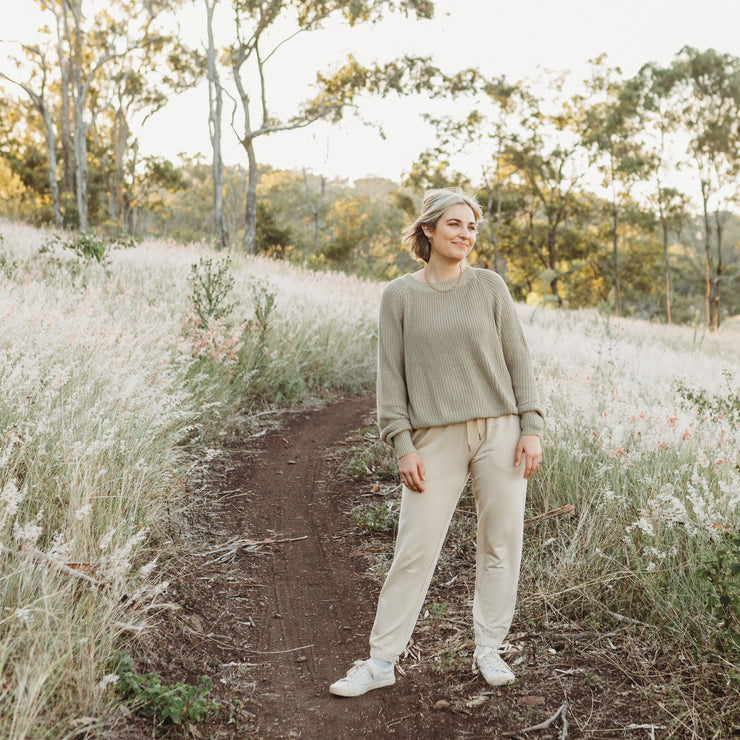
<point x="459" y="278"/>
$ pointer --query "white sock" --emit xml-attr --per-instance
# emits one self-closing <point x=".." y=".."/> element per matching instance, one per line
<point x="384" y="664"/>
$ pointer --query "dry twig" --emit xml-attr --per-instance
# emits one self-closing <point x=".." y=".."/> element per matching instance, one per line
<point x="42" y="557"/>
<point x="568" y="510"/>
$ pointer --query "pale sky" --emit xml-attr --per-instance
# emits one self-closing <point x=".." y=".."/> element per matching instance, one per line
<point x="511" y="37"/>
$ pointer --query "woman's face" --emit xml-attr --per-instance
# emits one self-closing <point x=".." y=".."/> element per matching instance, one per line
<point x="454" y="235"/>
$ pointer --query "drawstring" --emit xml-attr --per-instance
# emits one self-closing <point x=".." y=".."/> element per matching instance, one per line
<point x="480" y="427"/>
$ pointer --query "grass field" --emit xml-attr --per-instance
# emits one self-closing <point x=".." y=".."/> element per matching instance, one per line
<point x="121" y="371"/>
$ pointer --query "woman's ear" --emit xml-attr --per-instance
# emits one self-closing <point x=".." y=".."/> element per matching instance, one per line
<point x="428" y="231"/>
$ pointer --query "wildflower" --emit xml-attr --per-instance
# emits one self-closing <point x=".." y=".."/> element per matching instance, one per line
<point x="61" y="549"/>
<point x="108" y="680"/>
<point x="83" y="512"/>
<point x="29" y="532"/>
<point x="23" y="614"/>
<point x="106" y="539"/>
<point x="642" y="524"/>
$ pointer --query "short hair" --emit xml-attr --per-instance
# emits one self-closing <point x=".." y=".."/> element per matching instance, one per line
<point x="433" y="206"/>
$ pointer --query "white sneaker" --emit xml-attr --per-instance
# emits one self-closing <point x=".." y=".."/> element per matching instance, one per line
<point x="492" y="667"/>
<point x="362" y="677"/>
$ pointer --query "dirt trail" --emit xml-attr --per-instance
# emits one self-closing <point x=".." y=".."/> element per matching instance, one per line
<point x="274" y="623"/>
<point x="316" y="612"/>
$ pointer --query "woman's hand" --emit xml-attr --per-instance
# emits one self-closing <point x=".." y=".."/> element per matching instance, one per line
<point x="411" y="470"/>
<point x="529" y="446"/>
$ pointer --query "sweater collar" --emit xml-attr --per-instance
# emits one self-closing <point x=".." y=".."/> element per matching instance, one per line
<point x="444" y="285"/>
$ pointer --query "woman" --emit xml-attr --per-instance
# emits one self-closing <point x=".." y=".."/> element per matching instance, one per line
<point x="456" y="395"/>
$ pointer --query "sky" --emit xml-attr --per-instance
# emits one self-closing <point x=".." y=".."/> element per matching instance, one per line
<point x="515" y="38"/>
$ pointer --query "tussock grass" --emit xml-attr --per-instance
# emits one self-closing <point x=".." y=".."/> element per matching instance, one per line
<point x="111" y="397"/>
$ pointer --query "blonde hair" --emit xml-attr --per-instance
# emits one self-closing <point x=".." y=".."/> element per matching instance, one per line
<point x="433" y="206"/>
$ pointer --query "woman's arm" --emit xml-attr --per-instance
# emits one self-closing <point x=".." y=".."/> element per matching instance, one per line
<point x="392" y="395"/>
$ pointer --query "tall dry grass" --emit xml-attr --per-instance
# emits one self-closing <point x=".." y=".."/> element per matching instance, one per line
<point x="111" y="391"/>
<point x="109" y="396"/>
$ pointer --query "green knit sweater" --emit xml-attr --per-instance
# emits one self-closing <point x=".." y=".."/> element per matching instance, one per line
<point x="449" y="357"/>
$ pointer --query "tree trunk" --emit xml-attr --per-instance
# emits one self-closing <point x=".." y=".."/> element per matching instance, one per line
<point x="215" y="106"/>
<point x="315" y="209"/>
<point x="708" y="266"/>
<point x="250" y="217"/>
<point x="717" y="283"/>
<point x="80" y="142"/>
<point x="667" y="268"/>
<point x="615" y="261"/>
<point x="68" y="182"/>
<point x="120" y="135"/>
<point x="51" y="146"/>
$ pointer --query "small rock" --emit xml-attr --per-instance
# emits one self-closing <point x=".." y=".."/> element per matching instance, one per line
<point x="301" y="659"/>
<point x="441" y="704"/>
<point x="530" y="701"/>
<point x="277" y="616"/>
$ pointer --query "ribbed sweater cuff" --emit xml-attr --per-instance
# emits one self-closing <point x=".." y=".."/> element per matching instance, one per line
<point x="532" y="423"/>
<point x="403" y="444"/>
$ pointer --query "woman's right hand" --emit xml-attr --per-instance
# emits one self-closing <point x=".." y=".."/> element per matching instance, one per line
<point x="411" y="470"/>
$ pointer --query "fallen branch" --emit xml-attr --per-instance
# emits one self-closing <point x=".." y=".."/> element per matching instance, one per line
<point x="276" y="652"/>
<point x="544" y="725"/>
<point x="622" y="618"/>
<point x="568" y="509"/>
<point x="37" y="555"/>
<point x="235" y="545"/>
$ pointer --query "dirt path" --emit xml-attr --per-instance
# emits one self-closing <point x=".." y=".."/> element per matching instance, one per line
<point x="275" y="625"/>
<point x="316" y="611"/>
<point x="275" y="621"/>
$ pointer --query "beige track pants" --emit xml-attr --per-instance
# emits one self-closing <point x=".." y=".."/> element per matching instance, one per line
<point x="485" y="448"/>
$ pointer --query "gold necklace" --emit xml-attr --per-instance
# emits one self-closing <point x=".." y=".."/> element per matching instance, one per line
<point x="459" y="278"/>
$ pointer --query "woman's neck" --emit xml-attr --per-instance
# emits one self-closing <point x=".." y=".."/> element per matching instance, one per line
<point x="439" y="271"/>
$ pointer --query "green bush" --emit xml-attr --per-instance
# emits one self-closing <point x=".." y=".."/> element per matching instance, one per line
<point x="722" y="570"/>
<point x="373" y="519"/>
<point x="714" y="405"/>
<point x="211" y="285"/>
<point x="147" y="695"/>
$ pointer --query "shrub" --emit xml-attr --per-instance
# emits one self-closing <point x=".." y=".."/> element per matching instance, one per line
<point x="147" y="695"/>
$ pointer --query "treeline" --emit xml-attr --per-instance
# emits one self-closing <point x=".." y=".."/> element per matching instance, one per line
<point x="610" y="191"/>
<point x="356" y="227"/>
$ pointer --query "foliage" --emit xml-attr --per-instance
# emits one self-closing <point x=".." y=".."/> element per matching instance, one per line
<point x="722" y="571"/>
<point x="211" y="289"/>
<point x="373" y="519"/>
<point x="716" y="406"/>
<point x="89" y="246"/>
<point x="147" y="695"/>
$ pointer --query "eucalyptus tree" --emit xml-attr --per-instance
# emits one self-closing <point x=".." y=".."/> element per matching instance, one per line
<point x="546" y="159"/>
<point x="647" y="99"/>
<point x="89" y="38"/>
<point x="36" y="88"/>
<point x="610" y="131"/>
<point x="215" y="115"/>
<point x="703" y="89"/>
<point x="251" y="54"/>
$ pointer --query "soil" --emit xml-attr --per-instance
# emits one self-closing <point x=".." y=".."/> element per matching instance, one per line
<point x="272" y="598"/>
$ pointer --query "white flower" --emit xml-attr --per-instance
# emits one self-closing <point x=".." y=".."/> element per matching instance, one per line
<point x="22" y="613"/>
<point x="106" y="539"/>
<point x="83" y="512"/>
<point x="109" y="680"/>
<point x="60" y="548"/>
<point x="643" y="524"/>
<point x="29" y="532"/>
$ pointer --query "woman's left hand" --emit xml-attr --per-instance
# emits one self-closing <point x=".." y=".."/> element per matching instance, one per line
<point x="529" y="446"/>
